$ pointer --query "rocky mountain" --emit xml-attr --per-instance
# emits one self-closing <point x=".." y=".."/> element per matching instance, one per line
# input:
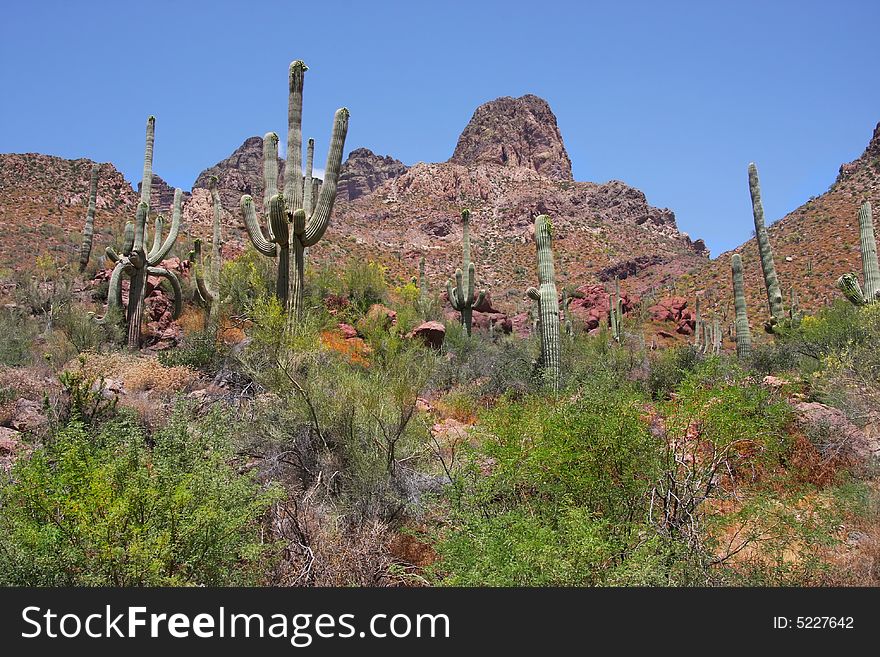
<point x="162" y="195"/>
<point x="812" y="245"/>
<point x="515" y="132"/>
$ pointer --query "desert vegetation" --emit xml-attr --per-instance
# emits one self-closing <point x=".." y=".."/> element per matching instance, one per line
<point x="345" y="425"/>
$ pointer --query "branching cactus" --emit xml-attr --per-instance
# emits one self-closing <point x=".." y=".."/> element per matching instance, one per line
<point x="743" y="335"/>
<point x="548" y="301"/>
<point x="136" y="262"/>
<point x="849" y="283"/>
<point x="298" y="217"/>
<point x="771" y="282"/>
<point x="462" y="296"/>
<point x="85" y="250"/>
<point x="209" y="289"/>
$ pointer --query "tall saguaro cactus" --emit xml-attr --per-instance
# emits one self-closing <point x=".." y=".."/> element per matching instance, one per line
<point x="548" y="302"/>
<point x="136" y="261"/>
<point x="462" y="296"/>
<point x="771" y="282"/>
<point x="698" y="325"/>
<point x="298" y="217"/>
<point x="743" y="335"/>
<point x="209" y="289"/>
<point x="85" y="250"/>
<point x="849" y="283"/>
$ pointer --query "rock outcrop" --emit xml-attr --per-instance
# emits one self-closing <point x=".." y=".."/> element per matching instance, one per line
<point x="515" y="132"/>
<point x="363" y="171"/>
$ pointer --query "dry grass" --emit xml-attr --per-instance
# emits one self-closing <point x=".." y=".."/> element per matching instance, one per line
<point x="137" y="373"/>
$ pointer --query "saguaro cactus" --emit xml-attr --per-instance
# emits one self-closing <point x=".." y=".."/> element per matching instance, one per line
<point x="743" y="335"/>
<point x="209" y="289"/>
<point x="698" y="325"/>
<point x="85" y="250"/>
<point x="771" y="282"/>
<point x="462" y="296"/>
<point x="135" y="261"/>
<point x="569" y="327"/>
<point x="716" y="336"/>
<point x="849" y="283"/>
<point x="297" y="218"/>
<point x="548" y="302"/>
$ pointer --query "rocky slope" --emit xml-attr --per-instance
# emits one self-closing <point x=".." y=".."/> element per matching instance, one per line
<point x="812" y="245"/>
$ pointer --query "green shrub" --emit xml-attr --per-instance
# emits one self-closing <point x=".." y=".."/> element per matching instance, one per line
<point x="198" y="351"/>
<point x="108" y="507"/>
<point x="669" y="367"/>
<point x="565" y="502"/>
<point x="17" y="333"/>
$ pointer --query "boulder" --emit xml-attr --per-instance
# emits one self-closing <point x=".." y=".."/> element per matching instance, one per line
<point x="430" y="333"/>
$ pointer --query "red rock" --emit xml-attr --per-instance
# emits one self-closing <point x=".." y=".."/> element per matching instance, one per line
<point x="665" y="334"/>
<point x="348" y="331"/>
<point x="378" y="314"/>
<point x="430" y="333"/>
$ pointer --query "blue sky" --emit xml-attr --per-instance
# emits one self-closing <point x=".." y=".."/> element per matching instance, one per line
<point x="674" y="98"/>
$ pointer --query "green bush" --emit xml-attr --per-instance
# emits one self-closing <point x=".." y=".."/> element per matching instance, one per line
<point x="565" y="502"/>
<point x="110" y="506"/>
<point x="17" y="334"/>
<point x="669" y="367"/>
<point x="198" y="351"/>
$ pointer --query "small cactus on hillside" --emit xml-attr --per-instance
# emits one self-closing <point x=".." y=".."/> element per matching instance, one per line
<point x="548" y="301"/>
<point x="743" y="335"/>
<point x="85" y="250"/>
<point x="462" y="295"/>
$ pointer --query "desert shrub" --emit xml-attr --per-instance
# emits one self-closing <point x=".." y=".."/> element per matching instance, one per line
<point x="247" y="278"/>
<point x="198" y="351"/>
<point x="775" y="357"/>
<point x="365" y="283"/>
<point x="669" y="367"/>
<point x="109" y="506"/>
<point x="86" y="334"/>
<point x="557" y="495"/>
<point x="17" y="333"/>
<point x="486" y="367"/>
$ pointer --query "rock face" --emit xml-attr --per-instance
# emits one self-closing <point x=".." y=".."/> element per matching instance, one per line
<point x="363" y="171"/>
<point x="515" y="132"/>
<point x="239" y="174"/>
<point x="162" y="196"/>
<point x="872" y="152"/>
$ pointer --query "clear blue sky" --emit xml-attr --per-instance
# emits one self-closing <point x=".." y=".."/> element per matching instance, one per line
<point x="674" y="98"/>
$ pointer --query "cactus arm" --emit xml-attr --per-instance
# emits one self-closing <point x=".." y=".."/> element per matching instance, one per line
<point x="158" y="228"/>
<point x="423" y="282"/>
<point x="114" y="291"/>
<point x="139" y="227"/>
<point x="128" y="238"/>
<point x="270" y="174"/>
<point x="278" y="220"/>
<point x="469" y="298"/>
<point x="870" y="267"/>
<point x="293" y="170"/>
<point x="85" y="250"/>
<point x="111" y="254"/>
<point x="451" y="293"/>
<point x="255" y="233"/>
<point x="771" y="282"/>
<point x="147" y="179"/>
<point x="320" y="218"/>
<point x="158" y="256"/>
<point x="849" y="285"/>
<point x="532" y="293"/>
<point x="466" y="243"/>
<point x="698" y="324"/>
<point x="136" y="289"/>
<point x="207" y="295"/>
<point x="308" y="201"/>
<point x="743" y="334"/>
<point x="175" y="286"/>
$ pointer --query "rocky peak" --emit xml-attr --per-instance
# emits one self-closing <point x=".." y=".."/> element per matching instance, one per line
<point x="240" y="173"/>
<point x="161" y="195"/>
<point x="872" y="152"/>
<point x="515" y="132"/>
<point x="363" y="171"/>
